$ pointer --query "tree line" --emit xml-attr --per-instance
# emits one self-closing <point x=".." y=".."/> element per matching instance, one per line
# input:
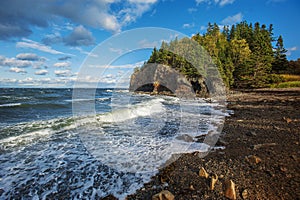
<point x="244" y="54"/>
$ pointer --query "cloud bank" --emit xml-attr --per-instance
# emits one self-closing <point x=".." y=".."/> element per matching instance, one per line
<point x="17" y="18"/>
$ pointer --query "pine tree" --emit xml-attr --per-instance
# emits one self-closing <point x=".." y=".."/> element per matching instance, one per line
<point x="280" y="63"/>
<point x="262" y="56"/>
<point x="154" y="56"/>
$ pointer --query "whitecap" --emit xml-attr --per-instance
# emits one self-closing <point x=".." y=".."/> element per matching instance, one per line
<point x="11" y="105"/>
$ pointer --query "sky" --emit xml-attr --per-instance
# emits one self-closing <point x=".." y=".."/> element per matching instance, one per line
<point x="61" y="43"/>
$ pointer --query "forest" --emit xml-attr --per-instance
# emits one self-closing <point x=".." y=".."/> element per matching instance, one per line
<point x="247" y="56"/>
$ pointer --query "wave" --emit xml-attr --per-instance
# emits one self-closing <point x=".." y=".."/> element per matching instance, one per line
<point x="78" y="100"/>
<point x="103" y="99"/>
<point x="139" y="110"/>
<point x="120" y="157"/>
<point x="97" y="99"/>
<point x="14" y="98"/>
<point x="10" y="105"/>
<point x="121" y="91"/>
<point x="27" y="133"/>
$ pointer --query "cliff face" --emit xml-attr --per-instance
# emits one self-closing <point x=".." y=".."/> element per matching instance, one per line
<point x="162" y="79"/>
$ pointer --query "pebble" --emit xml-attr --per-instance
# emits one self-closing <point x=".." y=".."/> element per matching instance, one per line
<point x="163" y="195"/>
<point x="203" y="173"/>
<point x="214" y="179"/>
<point x="251" y="133"/>
<point x="192" y="187"/>
<point x="283" y="169"/>
<point x="253" y="159"/>
<point x="230" y="190"/>
<point x="258" y="146"/>
<point x="294" y="157"/>
<point x="245" y="194"/>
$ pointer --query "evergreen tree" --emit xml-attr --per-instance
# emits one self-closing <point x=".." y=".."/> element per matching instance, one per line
<point x="240" y="55"/>
<point x="280" y="63"/>
<point x="243" y="54"/>
<point x="232" y="32"/>
<point x="261" y="57"/>
<point x="154" y="56"/>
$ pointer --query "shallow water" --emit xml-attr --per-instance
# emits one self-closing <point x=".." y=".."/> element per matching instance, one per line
<point x="46" y="152"/>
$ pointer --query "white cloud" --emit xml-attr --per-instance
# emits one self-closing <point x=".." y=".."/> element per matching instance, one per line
<point x="135" y="9"/>
<point x="39" y="82"/>
<point x="62" y="64"/>
<point x="149" y="44"/>
<point x="232" y="19"/>
<point x="188" y="25"/>
<point x="23" y="60"/>
<point x="8" y="80"/>
<point x="202" y="28"/>
<point x="293" y="49"/>
<point x="79" y="37"/>
<point x="41" y="72"/>
<point x="191" y="10"/>
<point x="290" y="50"/>
<point x="65" y="58"/>
<point x="62" y="73"/>
<point x="202" y="1"/>
<point x="116" y="50"/>
<point x="93" y="13"/>
<point x="216" y="2"/>
<point x="17" y="70"/>
<point x="225" y="2"/>
<point x="85" y="52"/>
<point x="51" y="39"/>
<point x="143" y="1"/>
<point x="13" y="62"/>
<point x="26" y="43"/>
<point x="27" y="80"/>
<point x="125" y="66"/>
<point x="28" y="56"/>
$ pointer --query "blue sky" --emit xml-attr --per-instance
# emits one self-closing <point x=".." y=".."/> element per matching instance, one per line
<point x="47" y="43"/>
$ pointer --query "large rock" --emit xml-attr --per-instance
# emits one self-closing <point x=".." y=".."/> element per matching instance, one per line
<point x="170" y="81"/>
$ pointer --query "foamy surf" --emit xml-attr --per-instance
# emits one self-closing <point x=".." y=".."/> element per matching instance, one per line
<point x="114" y="151"/>
<point x="139" y="110"/>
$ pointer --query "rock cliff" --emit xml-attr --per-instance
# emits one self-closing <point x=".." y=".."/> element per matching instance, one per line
<point x="161" y="79"/>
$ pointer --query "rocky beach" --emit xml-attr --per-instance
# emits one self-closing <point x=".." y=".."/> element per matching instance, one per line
<point x="260" y="159"/>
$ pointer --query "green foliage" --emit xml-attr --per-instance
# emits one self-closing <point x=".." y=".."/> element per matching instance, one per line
<point x="280" y="63"/>
<point x="243" y="54"/>
<point x="275" y="79"/>
<point x="290" y="84"/>
<point x="293" y="67"/>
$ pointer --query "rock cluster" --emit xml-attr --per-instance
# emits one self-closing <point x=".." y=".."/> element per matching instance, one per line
<point x="229" y="184"/>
